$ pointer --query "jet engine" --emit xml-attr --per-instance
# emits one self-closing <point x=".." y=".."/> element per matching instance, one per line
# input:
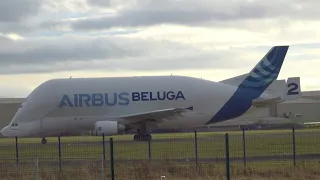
<point x="108" y="128"/>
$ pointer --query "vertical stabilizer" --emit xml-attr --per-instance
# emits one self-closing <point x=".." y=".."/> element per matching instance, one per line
<point x="252" y="87"/>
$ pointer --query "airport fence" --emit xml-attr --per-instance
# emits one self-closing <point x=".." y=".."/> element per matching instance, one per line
<point x="207" y="155"/>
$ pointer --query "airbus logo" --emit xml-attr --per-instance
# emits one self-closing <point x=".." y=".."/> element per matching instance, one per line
<point x="117" y="99"/>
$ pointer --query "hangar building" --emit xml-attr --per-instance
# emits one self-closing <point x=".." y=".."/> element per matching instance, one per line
<point x="298" y="111"/>
<point x="8" y="107"/>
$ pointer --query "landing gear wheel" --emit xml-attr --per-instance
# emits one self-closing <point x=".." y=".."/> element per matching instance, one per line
<point x="142" y="137"/>
<point x="44" y="141"/>
<point x="148" y="137"/>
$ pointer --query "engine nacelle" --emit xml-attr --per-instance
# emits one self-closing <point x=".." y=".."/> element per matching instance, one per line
<point x="108" y="128"/>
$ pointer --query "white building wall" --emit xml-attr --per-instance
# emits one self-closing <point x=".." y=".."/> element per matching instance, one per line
<point x="306" y="109"/>
<point x="301" y="110"/>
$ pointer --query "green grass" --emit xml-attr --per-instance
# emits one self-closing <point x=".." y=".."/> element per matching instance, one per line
<point x="258" y="143"/>
<point x="210" y="145"/>
<point x="157" y="136"/>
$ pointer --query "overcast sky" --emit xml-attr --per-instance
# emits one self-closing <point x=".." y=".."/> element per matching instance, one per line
<point x="212" y="39"/>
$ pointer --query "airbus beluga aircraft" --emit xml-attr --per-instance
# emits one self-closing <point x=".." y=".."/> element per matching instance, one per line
<point x="117" y="104"/>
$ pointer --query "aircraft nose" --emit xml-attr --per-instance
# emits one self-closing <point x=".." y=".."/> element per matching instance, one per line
<point x="3" y="130"/>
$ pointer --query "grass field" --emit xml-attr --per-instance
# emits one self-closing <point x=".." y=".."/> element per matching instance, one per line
<point x="210" y="144"/>
<point x="159" y="136"/>
<point x="166" y="150"/>
<point x="173" y="171"/>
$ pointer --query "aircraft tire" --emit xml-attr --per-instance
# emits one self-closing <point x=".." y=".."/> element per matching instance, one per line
<point x="44" y="141"/>
<point x="142" y="137"/>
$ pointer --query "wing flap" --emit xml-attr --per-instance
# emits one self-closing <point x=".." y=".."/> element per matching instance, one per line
<point x="157" y="115"/>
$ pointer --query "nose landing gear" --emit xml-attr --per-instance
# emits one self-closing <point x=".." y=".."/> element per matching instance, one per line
<point x="44" y="141"/>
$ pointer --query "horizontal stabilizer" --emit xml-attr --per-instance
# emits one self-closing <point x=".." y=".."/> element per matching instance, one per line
<point x="259" y="103"/>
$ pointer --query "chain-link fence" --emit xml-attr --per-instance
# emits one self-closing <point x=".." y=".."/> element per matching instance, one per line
<point x="260" y="155"/>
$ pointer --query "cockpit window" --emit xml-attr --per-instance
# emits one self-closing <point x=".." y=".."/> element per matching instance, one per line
<point x="14" y="124"/>
<point x="21" y="105"/>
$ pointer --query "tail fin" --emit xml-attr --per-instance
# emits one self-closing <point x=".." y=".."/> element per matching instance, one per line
<point x="253" y="85"/>
<point x="267" y="70"/>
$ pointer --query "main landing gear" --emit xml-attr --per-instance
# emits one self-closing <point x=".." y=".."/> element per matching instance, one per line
<point x="142" y="133"/>
<point x="142" y="137"/>
<point x="44" y="141"/>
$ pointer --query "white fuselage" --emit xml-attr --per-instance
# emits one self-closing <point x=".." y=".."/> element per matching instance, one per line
<point x="65" y="105"/>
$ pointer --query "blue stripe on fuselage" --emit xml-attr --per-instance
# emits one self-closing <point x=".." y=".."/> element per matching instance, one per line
<point x="237" y="105"/>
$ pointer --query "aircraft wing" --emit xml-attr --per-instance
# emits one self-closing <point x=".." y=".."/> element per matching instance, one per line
<point x="311" y="124"/>
<point x="260" y="102"/>
<point x="157" y="115"/>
